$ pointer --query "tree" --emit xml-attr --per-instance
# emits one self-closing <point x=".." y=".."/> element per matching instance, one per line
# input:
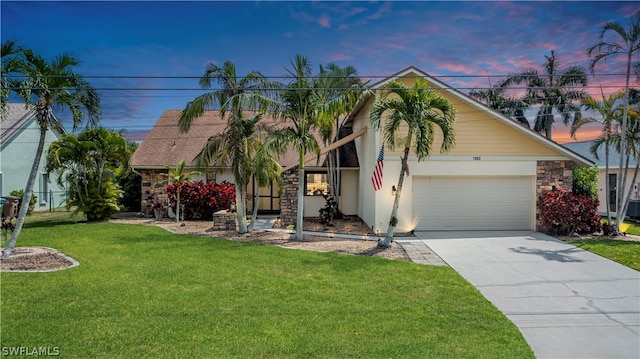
<point x="48" y="85"/>
<point x="266" y="170"/>
<point x="420" y="111"/>
<point x="236" y="95"/>
<point x="11" y="60"/>
<point x="627" y="43"/>
<point x="177" y="176"/>
<point x="337" y="91"/>
<point x="553" y="91"/>
<point x="609" y="111"/>
<point x="299" y="109"/>
<point x="88" y="165"/>
<point x="496" y="98"/>
<point x="131" y="185"/>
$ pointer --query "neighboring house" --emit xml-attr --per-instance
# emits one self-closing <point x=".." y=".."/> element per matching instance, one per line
<point x="583" y="148"/>
<point x="19" y="136"/>
<point x="489" y="181"/>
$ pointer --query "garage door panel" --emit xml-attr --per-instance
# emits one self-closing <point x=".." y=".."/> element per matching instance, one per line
<point x="473" y="203"/>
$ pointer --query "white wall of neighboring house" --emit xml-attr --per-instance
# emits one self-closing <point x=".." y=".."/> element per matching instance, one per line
<point x="602" y="185"/>
<point x="16" y="159"/>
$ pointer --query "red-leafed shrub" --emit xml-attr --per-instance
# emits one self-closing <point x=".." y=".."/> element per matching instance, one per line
<point x="565" y="213"/>
<point x="200" y="200"/>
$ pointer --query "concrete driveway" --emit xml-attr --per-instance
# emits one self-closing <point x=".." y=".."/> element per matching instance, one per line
<point x="567" y="302"/>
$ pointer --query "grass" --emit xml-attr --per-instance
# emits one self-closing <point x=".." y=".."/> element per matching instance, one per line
<point x="143" y="292"/>
<point x="624" y="252"/>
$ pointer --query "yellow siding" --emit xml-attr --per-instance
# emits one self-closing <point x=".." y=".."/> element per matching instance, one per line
<point x="480" y="134"/>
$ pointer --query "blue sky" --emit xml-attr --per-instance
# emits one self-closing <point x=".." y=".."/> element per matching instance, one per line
<point x="148" y="41"/>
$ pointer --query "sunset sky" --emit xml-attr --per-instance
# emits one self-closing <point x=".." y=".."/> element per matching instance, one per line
<point x="145" y="57"/>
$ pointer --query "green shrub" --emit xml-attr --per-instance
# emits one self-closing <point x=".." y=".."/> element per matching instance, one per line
<point x="32" y="202"/>
<point x="585" y="181"/>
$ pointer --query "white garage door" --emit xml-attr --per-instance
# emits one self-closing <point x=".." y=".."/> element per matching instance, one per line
<point x="473" y="203"/>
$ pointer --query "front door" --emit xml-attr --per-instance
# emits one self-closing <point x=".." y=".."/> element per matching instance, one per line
<point x="613" y="182"/>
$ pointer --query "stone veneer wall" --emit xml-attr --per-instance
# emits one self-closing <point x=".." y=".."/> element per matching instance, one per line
<point x="289" y="198"/>
<point x="153" y="188"/>
<point x="550" y="174"/>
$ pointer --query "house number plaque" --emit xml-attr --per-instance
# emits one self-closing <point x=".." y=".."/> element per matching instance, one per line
<point x="476" y="158"/>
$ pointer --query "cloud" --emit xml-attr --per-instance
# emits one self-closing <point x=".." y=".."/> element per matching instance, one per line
<point x="324" y="21"/>
<point x="338" y="57"/>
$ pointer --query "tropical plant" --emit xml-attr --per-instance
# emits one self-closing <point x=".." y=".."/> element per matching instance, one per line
<point x="11" y="60"/>
<point x="266" y="170"/>
<point x="627" y="43"/>
<point x="131" y="184"/>
<point x="47" y="85"/>
<point x="87" y="165"/>
<point x="609" y="112"/>
<point x="553" y="91"/>
<point x="201" y="200"/>
<point x="496" y="98"/>
<point x="177" y="176"/>
<point x="585" y="181"/>
<point x="337" y="91"/>
<point x="300" y="111"/>
<point x="565" y="213"/>
<point x="232" y="147"/>
<point x="419" y="111"/>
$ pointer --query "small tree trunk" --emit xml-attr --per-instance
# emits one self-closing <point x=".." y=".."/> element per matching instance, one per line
<point x="178" y="203"/>
<point x="300" y="212"/>
<point x="607" y="181"/>
<point x="393" y="220"/>
<point x="26" y="197"/>
<point x="254" y="212"/>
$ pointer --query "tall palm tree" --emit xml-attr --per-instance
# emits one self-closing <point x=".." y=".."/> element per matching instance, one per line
<point x="10" y="61"/>
<point x="177" y="176"/>
<point x="627" y="43"/>
<point x="553" y="91"/>
<point x="609" y="111"/>
<point x="48" y="85"/>
<point x="299" y="109"/>
<point x="338" y="89"/>
<point x="420" y="111"/>
<point x="253" y="92"/>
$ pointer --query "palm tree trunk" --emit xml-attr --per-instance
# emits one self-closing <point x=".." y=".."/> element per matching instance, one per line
<point x="28" y="192"/>
<point x="254" y="212"/>
<point x="241" y="208"/>
<point x="300" y="212"/>
<point x="393" y="220"/>
<point x="623" y="146"/>
<point x="607" y="181"/>
<point x="178" y="203"/>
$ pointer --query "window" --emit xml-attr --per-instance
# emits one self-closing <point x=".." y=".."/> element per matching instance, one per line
<point x="316" y="184"/>
<point x="44" y="189"/>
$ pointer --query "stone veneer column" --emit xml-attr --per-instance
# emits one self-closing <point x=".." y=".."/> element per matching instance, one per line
<point x="550" y="174"/>
<point x="289" y="198"/>
<point x="153" y="188"/>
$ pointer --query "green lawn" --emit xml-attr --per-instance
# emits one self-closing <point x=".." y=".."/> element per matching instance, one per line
<point x="143" y="292"/>
<point x="623" y="252"/>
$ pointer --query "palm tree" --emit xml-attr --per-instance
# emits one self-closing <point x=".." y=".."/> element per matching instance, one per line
<point x="235" y="95"/>
<point x="87" y="165"/>
<point x="338" y="89"/>
<point x="300" y="110"/>
<point x="609" y="111"/>
<point x="628" y="43"/>
<point x="266" y="170"/>
<point x="177" y="176"/>
<point x="553" y="91"/>
<point x="10" y="61"/>
<point x="420" y="111"/>
<point x="47" y="85"/>
<point x="496" y="98"/>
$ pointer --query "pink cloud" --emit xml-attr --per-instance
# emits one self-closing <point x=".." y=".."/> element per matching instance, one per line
<point x="324" y="21"/>
<point x="338" y="57"/>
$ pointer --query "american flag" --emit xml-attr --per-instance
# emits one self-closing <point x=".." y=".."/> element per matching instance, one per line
<point x="377" y="171"/>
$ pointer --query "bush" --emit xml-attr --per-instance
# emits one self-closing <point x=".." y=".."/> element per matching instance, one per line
<point x="32" y="201"/>
<point x="585" y="181"/>
<point x="565" y="213"/>
<point x="201" y="200"/>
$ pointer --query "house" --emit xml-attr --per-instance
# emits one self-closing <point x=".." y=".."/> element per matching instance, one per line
<point x="19" y="136"/>
<point x="489" y="181"/>
<point x="583" y="148"/>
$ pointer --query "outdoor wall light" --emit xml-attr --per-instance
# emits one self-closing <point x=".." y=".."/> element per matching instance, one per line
<point x="393" y="190"/>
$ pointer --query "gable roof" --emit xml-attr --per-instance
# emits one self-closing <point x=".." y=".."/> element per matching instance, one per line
<point x="166" y="144"/>
<point x="583" y="148"/>
<point x="498" y="116"/>
<point x="16" y="116"/>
